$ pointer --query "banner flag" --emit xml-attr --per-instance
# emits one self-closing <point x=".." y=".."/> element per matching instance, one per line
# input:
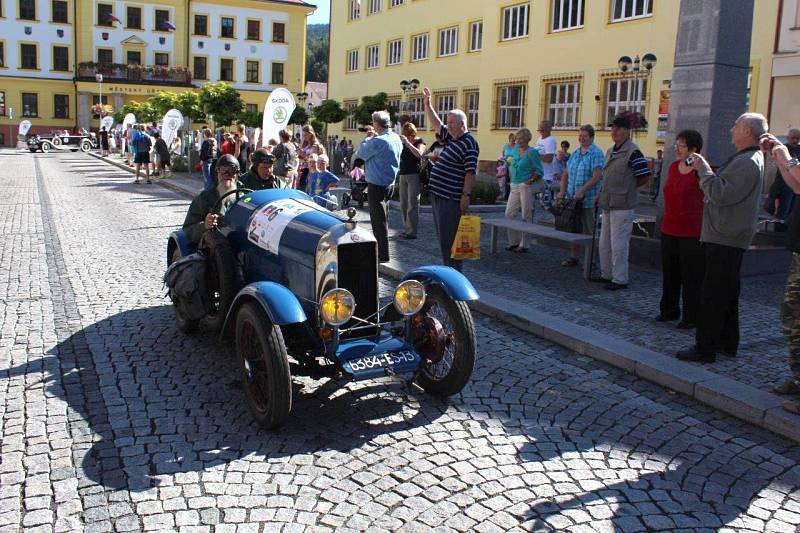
<point x="170" y="125"/>
<point x="24" y="126"/>
<point x="279" y="107"/>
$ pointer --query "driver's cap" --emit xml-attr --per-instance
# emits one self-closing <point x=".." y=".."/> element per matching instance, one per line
<point x="228" y="161"/>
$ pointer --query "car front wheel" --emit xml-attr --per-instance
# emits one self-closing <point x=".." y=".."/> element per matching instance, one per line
<point x="446" y="340"/>
<point x="86" y="146"/>
<point x="46" y="147"/>
<point x="264" y="364"/>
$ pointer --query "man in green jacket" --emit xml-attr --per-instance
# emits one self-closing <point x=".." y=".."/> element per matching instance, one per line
<point x="201" y="216"/>
<point x="260" y="174"/>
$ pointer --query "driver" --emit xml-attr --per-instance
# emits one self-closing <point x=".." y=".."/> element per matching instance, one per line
<point x="200" y="217"/>
<point x="260" y="174"/>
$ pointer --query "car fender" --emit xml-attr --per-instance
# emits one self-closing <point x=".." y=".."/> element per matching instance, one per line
<point x="281" y="306"/>
<point x="179" y="240"/>
<point x="453" y="282"/>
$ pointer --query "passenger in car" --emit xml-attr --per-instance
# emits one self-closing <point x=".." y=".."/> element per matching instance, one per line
<point x="260" y="175"/>
<point x="202" y="215"/>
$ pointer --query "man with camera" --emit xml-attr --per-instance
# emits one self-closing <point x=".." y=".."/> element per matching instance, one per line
<point x="380" y="151"/>
<point x="732" y="196"/>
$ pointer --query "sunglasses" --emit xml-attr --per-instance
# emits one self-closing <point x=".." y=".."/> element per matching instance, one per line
<point x="229" y="173"/>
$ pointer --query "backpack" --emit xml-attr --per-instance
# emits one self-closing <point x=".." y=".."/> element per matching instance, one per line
<point x="283" y="165"/>
<point x="185" y="280"/>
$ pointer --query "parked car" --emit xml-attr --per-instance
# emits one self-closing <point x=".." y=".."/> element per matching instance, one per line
<point x="72" y="142"/>
<point x="296" y="286"/>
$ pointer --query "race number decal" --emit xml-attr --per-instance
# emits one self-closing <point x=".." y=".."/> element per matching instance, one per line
<point x="268" y="223"/>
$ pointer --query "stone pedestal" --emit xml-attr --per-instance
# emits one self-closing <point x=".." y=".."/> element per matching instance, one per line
<point x="84" y="110"/>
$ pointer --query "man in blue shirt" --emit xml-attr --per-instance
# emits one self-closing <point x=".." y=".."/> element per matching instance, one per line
<point x="381" y="154"/>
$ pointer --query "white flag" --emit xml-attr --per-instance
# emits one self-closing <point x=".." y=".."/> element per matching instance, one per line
<point x="24" y="126"/>
<point x="107" y="122"/>
<point x="171" y="124"/>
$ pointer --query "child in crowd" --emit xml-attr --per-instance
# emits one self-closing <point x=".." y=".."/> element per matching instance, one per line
<point x="312" y="174"/>
<point x="323" y="181"/>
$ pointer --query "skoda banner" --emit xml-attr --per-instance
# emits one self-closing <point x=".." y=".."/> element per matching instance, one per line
<point x="128" y="121"/>
<point x="172" y="122"/>
<point x="280" y="106"/>
<point x="24" y="126"/>
<point x="107" y="122"/>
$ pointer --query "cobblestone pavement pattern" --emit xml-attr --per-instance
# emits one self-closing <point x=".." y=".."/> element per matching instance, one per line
<point x="112" y="420"/>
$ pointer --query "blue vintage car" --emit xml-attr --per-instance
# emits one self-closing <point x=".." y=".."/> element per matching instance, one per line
<point x="296" y="286"/>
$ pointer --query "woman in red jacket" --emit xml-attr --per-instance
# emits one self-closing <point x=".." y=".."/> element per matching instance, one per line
<point x="682" y="263"/>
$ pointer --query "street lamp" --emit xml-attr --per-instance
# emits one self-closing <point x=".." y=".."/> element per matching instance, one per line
<point x="99" y="78"/>
<point x="408" y="87"/>
<point x="302" y="97"/>
<point x="625" y="63"/>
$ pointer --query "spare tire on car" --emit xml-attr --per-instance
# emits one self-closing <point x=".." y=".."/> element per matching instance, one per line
<point x="223" y="279"/>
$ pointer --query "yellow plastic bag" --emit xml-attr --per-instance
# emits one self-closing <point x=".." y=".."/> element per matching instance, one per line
<point x="467" y="244"/>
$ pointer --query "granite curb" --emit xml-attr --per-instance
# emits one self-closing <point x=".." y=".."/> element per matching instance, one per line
<point x="737" y="399"/>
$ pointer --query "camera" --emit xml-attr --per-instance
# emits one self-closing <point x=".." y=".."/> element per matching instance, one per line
<point x="689" y="160"/>
<point x="362" y="129"/>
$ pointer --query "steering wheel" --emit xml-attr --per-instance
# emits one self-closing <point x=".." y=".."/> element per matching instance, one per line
<point x="237" y="192"/>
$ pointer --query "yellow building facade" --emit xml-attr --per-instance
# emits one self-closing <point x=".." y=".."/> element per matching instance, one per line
<point x="512" y="63"/>
<point x="52" y="51"/>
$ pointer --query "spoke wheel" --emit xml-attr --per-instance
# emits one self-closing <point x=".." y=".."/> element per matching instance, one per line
<point x="264" y="365"/>
<point x="446" y="338"/>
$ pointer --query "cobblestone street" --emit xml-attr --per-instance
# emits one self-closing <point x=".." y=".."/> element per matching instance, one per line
<point x="113" y="420"/>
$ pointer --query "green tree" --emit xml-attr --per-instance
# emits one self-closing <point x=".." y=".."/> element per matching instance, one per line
<point x="317" y="44"/>
<point x="143" y="111"/>
<point x="369" y="104"/>
<point x="188" y="103"/>
<point x="329" y="112"/>
<point x="251" y="119"/>
<point x="299" y="116"/>
<point x="221" y="101"/>
<point x="162" y="101"/>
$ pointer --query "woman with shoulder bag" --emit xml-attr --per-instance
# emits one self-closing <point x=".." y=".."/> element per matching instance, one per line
<point x="526" y="179"/>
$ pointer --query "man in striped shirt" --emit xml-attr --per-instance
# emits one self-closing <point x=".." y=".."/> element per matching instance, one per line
<point x="452" y="176"/>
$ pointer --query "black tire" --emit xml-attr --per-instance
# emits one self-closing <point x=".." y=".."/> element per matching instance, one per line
<point x="85" y="146"/>
<point x="32" y="150"/>
<point x="224" y="280"/>
<point x="452" y="372"/>
<point x="46" y="147"/>
<point x="181" y="322"/>
<point x="264" y="365"/>
<point x="345" y="201"/>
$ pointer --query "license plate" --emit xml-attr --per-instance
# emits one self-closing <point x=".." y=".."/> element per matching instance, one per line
<point x="383" y="360"/>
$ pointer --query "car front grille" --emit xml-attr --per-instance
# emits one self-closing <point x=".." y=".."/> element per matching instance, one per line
<point x="358" y="273"/>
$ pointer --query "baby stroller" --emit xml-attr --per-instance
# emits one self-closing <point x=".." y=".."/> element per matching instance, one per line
<point x="358" y="186"/>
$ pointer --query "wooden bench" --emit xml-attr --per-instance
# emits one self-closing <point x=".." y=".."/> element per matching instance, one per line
<point x="541" y="231"/>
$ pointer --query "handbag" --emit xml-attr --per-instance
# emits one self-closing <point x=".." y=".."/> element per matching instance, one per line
<point x="567" y="215"/>
<point x="467" y="243"/>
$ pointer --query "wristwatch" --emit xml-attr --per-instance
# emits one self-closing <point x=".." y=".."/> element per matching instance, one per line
<point x="793" y="162"/>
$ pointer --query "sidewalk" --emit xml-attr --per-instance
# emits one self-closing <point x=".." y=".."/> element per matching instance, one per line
<point x="534" y="293"/>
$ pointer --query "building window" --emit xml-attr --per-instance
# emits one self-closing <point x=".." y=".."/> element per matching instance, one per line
<point x="30" y="105"/>
<point x="226" y="27"/>
<point x="61" y="58"/>
<point x="104" y="14"/>
<point x="277" y="73"/>
<point x="515" y="22"/>
<point x="278" y="32"/>
<point x="393" y="103"/>
<point x="226" y="69"/>
<point x="350" y="122"/>
<point x="510" y="111"/>
<point x="355" y="10"/>
<point x="563" y="104"/>
<point x="372" y="55"/>
<point x="60" y="11"/>
<point x="134" y="57"/>
<point x="472" y="99"/>
<point x="27" y="9"/>
<point x="61" y="105"/>
<point x="253" y="30"/>
<point x="162" y="17"/>
<point x="105" y="55"/>
<point x="374" y="6"/>
<point x="251" y="108"/>
<point x="394" y="52"/>
<point x="2" y="55"/>
<point x="476" y="36"/>
<point x="200" y="70"/>
<point x="624" y="94"/>
<point x="567" y="14"/>
<point x="28" y="54"/>
<point x="416" y="111"/>
<point x="352" y="61"/>
<point x="419" y="47"/>
<point x="252" y="72"/>
<point x="444" y="104"/>
<point x="630" y="9"/>
<point x="448" y="41"/>
<point x="201" y="24"/>
<point x="397" y="3"/>
<point x="162" y="59"/>
<point x="2" y="103"/>
<point x="133" y="18"/>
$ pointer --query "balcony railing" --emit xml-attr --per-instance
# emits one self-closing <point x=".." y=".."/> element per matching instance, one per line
<point x="145" y="74"/>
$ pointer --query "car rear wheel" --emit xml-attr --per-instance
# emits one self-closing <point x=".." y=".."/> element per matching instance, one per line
<point x="181" y="322"/>
<point x="446" y="340"/>
<point x="86" y="146"/>
<point x="264" y="365"/>
<point x="223" y="280"/>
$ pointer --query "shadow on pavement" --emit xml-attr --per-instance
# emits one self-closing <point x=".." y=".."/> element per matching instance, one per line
<point x="150" y="400"/>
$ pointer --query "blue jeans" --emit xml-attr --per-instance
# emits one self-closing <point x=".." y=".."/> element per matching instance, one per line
<point x="446" y="215"/>
<point x="208" y="179"/>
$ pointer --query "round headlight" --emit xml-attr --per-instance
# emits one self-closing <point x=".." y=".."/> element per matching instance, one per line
<point x="409" y="297"/>
<point x="337" y="306"/>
